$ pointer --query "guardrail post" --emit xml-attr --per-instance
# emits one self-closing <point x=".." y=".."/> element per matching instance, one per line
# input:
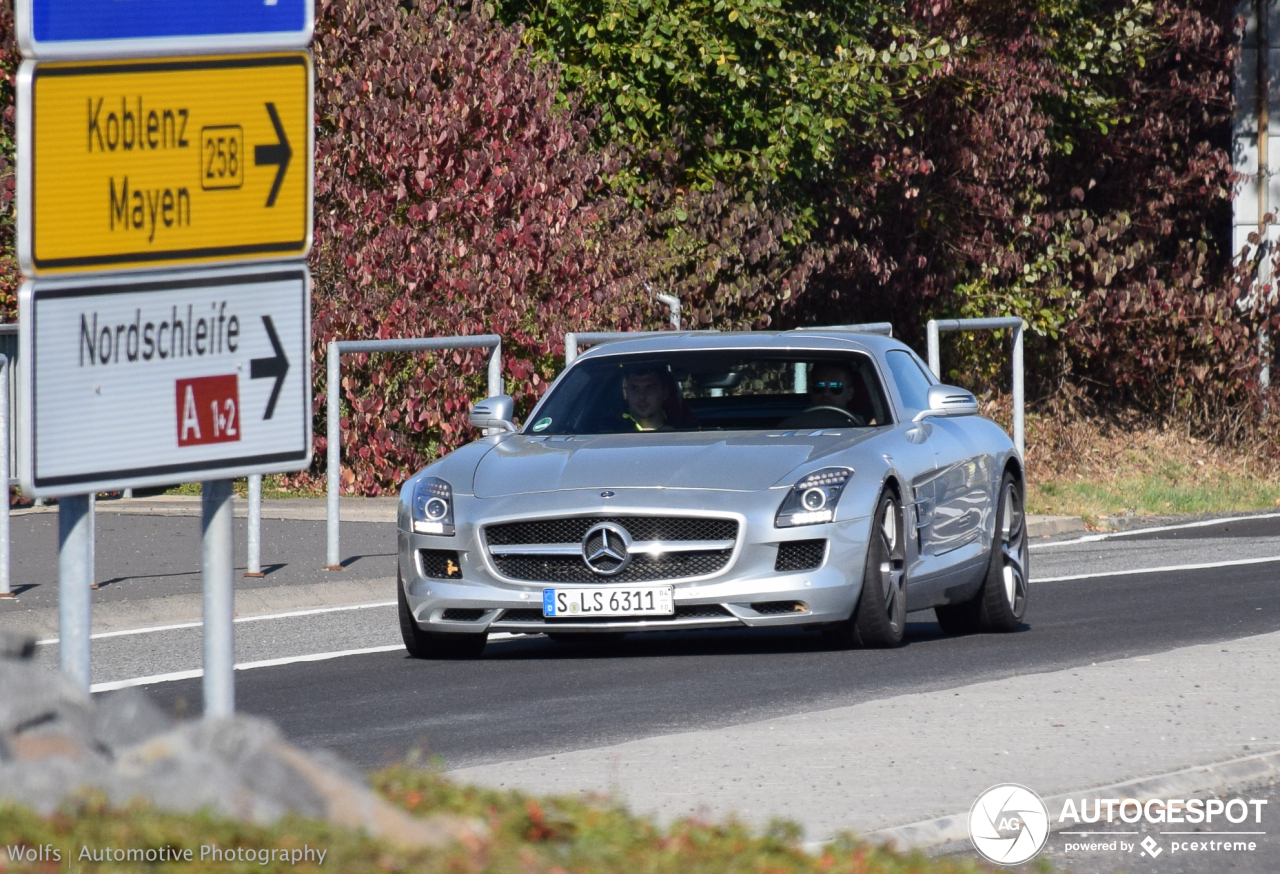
<point x="570" y="348"/>
<point x="254" y="527"/>
<point x="1019" y="406"/>
<point x="74" y="577"/>
<point x="6" y="590"/>
<point x="333" y="454"/>
<point x="495" y="370"/>
<point x="935" y="352"/>
<point x="217" y="545"/>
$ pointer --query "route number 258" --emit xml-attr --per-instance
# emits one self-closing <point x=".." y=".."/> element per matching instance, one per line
<point x="222" y="156"/>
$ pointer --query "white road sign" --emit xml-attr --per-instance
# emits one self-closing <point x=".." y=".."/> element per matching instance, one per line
<point x="167" y="378"/>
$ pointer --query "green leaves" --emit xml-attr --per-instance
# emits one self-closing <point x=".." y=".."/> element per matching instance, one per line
<point x="766" y="90"/>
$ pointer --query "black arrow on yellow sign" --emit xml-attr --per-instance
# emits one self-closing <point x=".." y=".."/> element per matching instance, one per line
<point x="277" y="154"/>
<point x="277" y="365"/>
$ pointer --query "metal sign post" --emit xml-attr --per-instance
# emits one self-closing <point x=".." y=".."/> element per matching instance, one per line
<point x="129" y="162"/>
<point x="74" y="579"/>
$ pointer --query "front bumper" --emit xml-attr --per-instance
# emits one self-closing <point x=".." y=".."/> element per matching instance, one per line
<point x="748" y="592"/>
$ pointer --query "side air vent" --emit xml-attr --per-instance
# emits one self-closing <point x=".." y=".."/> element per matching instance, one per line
<point x="441" y="564"/>
<point x="800" y="555"/>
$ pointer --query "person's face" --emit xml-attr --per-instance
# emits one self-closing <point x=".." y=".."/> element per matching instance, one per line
<point x="830" y="387"/>
<point x="645" y="394"/>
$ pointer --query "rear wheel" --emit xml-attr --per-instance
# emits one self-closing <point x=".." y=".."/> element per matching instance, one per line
<point x="1002" y="601"/>
<point x="880" y="618"/>
<point x="433" y="644"/>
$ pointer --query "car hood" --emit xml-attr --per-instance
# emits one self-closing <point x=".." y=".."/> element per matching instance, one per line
<point x="524" y="464"/>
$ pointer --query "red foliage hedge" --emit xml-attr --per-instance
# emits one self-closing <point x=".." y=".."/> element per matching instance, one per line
<point x="453" y="196"/>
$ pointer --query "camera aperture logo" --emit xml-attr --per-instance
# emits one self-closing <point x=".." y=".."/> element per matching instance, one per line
<point x="1008" y="824"/>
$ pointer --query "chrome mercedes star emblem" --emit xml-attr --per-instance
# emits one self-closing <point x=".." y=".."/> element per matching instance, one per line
<point x="607" y="549"/>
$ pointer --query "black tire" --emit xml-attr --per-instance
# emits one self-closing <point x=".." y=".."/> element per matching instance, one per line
<point x="1001" y="603"/>
<point x="880" y="617"/>
<point x="434" y="645"/>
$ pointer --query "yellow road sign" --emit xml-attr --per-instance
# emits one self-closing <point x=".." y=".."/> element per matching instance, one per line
<point x="128" y="164"/>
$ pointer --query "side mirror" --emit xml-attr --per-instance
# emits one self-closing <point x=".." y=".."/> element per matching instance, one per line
<point x="496" y="413"/>
<point x="949" y="400"/>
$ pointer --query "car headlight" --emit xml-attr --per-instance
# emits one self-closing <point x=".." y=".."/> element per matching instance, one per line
<point x="432" y="506"/>
<point x="814" y="498"/>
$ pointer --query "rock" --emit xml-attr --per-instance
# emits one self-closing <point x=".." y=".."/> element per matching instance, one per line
<point x="127" y="717"/>
<point x="58" y="744"/>
<point x="15" y="645"/>
<point x="35" y="700"/>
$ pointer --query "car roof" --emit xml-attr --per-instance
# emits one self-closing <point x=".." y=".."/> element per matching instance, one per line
<point x="810" y="339"/>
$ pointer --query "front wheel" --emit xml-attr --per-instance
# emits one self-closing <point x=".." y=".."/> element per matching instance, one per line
<point x="880" y="618"/>
<point x="431" y="644"/>
<point x="1002" y="601"/>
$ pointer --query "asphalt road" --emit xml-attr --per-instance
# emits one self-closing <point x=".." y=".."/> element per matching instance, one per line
<point x="141" y="556"/>
<point x="532" y="696"/>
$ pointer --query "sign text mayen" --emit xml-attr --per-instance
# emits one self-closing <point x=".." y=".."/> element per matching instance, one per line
<point x="147" y="163"/>
<point x="132" y="381"/>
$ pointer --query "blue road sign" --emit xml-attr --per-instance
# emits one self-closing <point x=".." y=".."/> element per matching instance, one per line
<point x="111" y="28"/>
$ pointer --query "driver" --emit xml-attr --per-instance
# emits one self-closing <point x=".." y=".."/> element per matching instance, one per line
<point x="833" y="384"/>
<point x="645" y="390"/>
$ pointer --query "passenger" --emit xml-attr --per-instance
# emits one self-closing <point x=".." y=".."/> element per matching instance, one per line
<point x="833" y="384"/>
<point x="646" y="389"/>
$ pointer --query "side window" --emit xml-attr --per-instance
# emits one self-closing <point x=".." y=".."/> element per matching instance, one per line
<point x="913" y="385"/>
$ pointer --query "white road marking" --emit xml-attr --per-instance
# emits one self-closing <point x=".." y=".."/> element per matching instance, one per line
<point x="1108" y="535"/>
<point x="181" y="625"/>
<point x="498" y="637"/>
<point x="243" y="666"/>
<point x="1156" y="570"/>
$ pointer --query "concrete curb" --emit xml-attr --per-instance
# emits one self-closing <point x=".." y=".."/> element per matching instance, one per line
<point x="949" y="834"/>
<point x="175" y="609"/>
<point x="1048" y="526"/>
<point x="303" y="509"/>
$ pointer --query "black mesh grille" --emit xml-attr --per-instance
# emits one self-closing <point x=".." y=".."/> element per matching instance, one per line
<point x="639" y="527"/>
<point x="442" y="564"/>
<point x="775" y="608"/>
<point x="643" y="568"/>
<point x="460" y="614"/>
<point x="800" y="555"/>
<point x="683" y="611"/>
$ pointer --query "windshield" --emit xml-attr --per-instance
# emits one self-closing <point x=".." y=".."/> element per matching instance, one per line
<point x="714" y="391"/>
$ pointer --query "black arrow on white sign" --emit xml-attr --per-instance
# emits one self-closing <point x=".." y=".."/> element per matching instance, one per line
<point x="277" y="153"/>
<point x="265" y="368"/>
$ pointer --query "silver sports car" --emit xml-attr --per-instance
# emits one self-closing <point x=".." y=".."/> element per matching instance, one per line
<point x="819" y="479"/>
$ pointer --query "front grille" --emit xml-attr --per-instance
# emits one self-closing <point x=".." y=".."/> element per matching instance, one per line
<point x="777" y="608"/>
<point x="683" y="611"/>
<point x="461" y="614"/>
<point x="441" y="564"/>
<point x="800" y="555"/>
<point x="643" y="568"/>
<point x="639" y="527"/>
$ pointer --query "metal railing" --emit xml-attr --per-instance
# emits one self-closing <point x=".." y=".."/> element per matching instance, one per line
<point x="1014" y="323"/>
<point x="885" y="328"/>
<point x="333" y="363"/>
<point x="574" y="341"/>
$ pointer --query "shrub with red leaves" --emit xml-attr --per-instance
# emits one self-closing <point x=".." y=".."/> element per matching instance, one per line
<point x="453" y="196"/>
<point x="1073" y="168"/>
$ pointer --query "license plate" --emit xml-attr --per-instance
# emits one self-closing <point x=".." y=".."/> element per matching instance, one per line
<point x="641" y="601"/>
